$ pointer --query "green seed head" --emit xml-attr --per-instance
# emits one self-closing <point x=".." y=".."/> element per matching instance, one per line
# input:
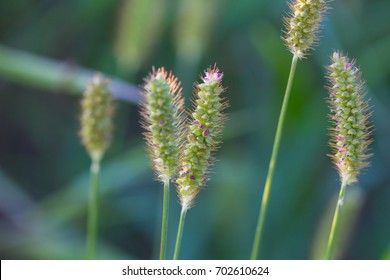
<point x="303" y="24"/>
<point x="162" y="119"/>
<point x="97" y="110"/>
<point x="350" y="134"/>
<point x="203" y="133"/>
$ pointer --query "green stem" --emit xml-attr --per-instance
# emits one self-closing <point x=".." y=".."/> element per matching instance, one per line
<point x="336" y="218"/>
<point x="264" y="202"/>
<point x="164" y="224"/>
<point x="92" y="226"/>
<point x="180" y="232"/>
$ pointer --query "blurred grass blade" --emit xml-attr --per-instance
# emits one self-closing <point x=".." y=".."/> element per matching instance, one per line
<point x="59" y="244"/>
<point x="194" y="26"/>
<point x="387" y="254"/>
<point x="32" y="235"/>
<point x="139" y="27"/>
<point x="13" y="200"/>
<point x="32" y="70"/>
<point x="113" y="180"/>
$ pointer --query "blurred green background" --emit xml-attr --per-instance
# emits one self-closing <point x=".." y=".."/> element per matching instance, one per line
<point x="44" y="169"/>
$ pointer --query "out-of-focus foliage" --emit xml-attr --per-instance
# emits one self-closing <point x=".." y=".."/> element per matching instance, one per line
<point x="44" y="168"/>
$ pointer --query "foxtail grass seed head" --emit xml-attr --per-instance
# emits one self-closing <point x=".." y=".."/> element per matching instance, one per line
<point x="349" y="113"/>
<point x="203" y="132"/>
<point x="162" y="119"/>
<point x="302" y="25"/>
<point x="97" y="110"/>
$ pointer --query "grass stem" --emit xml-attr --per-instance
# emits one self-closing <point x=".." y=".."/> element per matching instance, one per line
<point x="180" y="233"/>
<point x="267" y="188"/>
<point x="336" y="219"/>
<point x="164" y="224"/>
<point x="93" y="204"/>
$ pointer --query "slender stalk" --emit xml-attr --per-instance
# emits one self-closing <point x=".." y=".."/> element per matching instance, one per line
<point x="164" y="224"/>
<point x="336" y="219"/>
<point x="180" y="232"/>
<point x="92" y="226"/>
<point x="267" y="188"/>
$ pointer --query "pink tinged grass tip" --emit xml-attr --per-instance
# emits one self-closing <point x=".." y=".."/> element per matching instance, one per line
<point x="349" y="113"/>
<point x="212" y="76"/>
<point x="203" y="132"/>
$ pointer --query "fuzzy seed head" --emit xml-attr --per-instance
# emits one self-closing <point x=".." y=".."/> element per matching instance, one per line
<point x="203" y="132"/>
<point x="162" y="119"/>
<point x="303" y="24"/>
<point x="97" y="110"/>
<point x="350" y="134"/>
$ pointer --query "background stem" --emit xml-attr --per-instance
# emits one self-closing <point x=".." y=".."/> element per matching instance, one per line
<point x="335" y="223"/>
<point x="164" y="224"/>
<point x="264" y="202"/>
<point x="180" y="232"/>
<point x="49" y="74"/>
<point x="93" y="204"/>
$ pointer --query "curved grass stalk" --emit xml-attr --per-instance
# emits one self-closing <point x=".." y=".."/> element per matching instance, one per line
<point x="180" y="232"/>
<point x="271" y="169"/>
<point x="336" y="219"/>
